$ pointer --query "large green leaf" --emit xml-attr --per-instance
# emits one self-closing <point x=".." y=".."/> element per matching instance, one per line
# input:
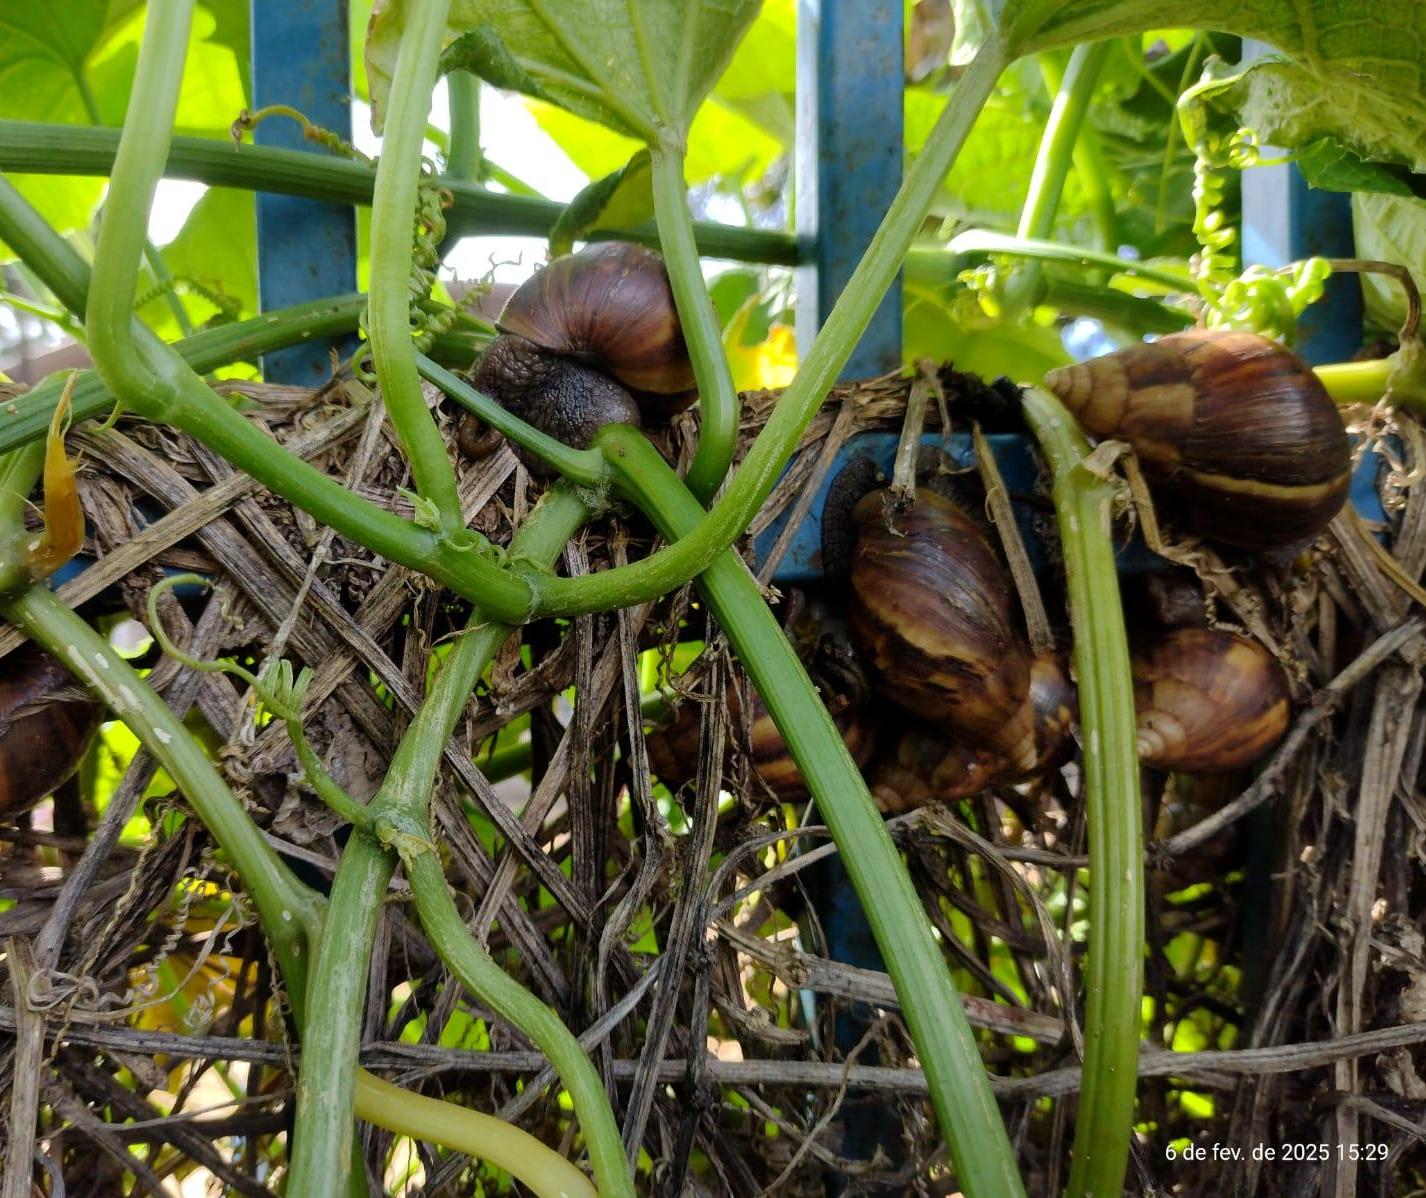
<point x="74" y="62"/>
<point x="212" y="94"/>
<point x="217" y="249"/>
<point x="641" y="67"/>
<point x="759" y="83"/>
<point x="722" y="143"/>
<point x="1352" y="71"/>
<point x="1342" y="134"/>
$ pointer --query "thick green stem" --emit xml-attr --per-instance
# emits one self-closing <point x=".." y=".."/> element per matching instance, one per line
<point x="393" y="209"/>
<point x="1356" y="382"/>
<point x="148" y="375"/>
<point x="1400" y="379"/>
<point x="466" y="160"/>
<point x="143" y="147"/>
<point x="1053" y="161"/>
<point x="1089" y="167"/>
<point x="290" y="912"/>
<point x="151" y="251"/>
<point x="1114" y="982"/>
<point x="717" y="397"/>
<point x="755" y="477"/>
<point x="1056" y="153"/>
<point x="980" y="1149"/>
<point x="479" y="974"/>
<point x="322" y="1138"/>
<point x="74" y="150"/>
<point x="933" y="273"/>
<point x="28" y="417"/>
<point x="52" y="259"/>
<point x="401" y="816"/>
<point x="981" y="241"/>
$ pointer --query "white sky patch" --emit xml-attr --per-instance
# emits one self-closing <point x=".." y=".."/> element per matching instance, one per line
<point x="172" y="203"/>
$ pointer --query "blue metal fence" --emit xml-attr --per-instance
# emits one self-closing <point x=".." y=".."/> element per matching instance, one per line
<point x="301" y="57"/>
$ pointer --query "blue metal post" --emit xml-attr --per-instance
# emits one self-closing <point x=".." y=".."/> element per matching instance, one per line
<point x="850" y="75"/>
<point x="849" y="153"/>
<point x="301" y="56"/>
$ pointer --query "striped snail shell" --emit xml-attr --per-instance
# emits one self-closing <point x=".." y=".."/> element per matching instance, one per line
<point x="929" y="612"/>
<point x="47" y="721"/>
<point x="1233" y="431"/>
<point x="1207" y="701"/>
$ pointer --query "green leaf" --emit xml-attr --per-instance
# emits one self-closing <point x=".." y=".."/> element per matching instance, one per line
<point x="215" y="251"/>
<point x="961" y="334"/>
<point x="641" y="67"/>
<point x="619" y="200"/>
<point x="1389" y="228"/>
<point x="722" y="144"/>
<point x="759" y="84"/>
<point x="1352" y="72"/>
<point x="1329" y="165"/>
<point x="212" y="94"/>
<point x="73" y="63"/>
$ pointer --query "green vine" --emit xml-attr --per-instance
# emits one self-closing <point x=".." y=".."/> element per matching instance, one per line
<point x="1259" y="298"/>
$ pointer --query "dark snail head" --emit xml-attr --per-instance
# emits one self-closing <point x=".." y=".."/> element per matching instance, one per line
<point x="46" y="723"/>
<point x="1207" y="701"/>
<point x="929" y="607"/>
<point x="1234" y="432"/>
<point x="557" y="395"/>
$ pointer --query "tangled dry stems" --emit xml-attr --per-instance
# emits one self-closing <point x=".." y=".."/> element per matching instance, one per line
<point x="1284" y="953"/>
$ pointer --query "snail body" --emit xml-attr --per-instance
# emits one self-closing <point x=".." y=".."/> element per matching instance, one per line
<point x="1233" y="430"/>
<point x="929" y="613"/>
<point x="1207" y="701"/>
<point x="591" y="339"/>
<point x="925" y="767"/>
<point x="46" y="724"/>
<point x="569" y="401"/>
<point x="673" y="747"/>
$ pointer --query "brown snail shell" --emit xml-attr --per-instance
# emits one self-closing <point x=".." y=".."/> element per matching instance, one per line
<point x="46" y="723"/>
<point x="673" y="747"/>
<point x="1233" y="430"/>
<point x="925" y="767"/>
<point x="1207" y="701"/>
<point x="929" y="613"/>
<point x="609" y="307"/>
